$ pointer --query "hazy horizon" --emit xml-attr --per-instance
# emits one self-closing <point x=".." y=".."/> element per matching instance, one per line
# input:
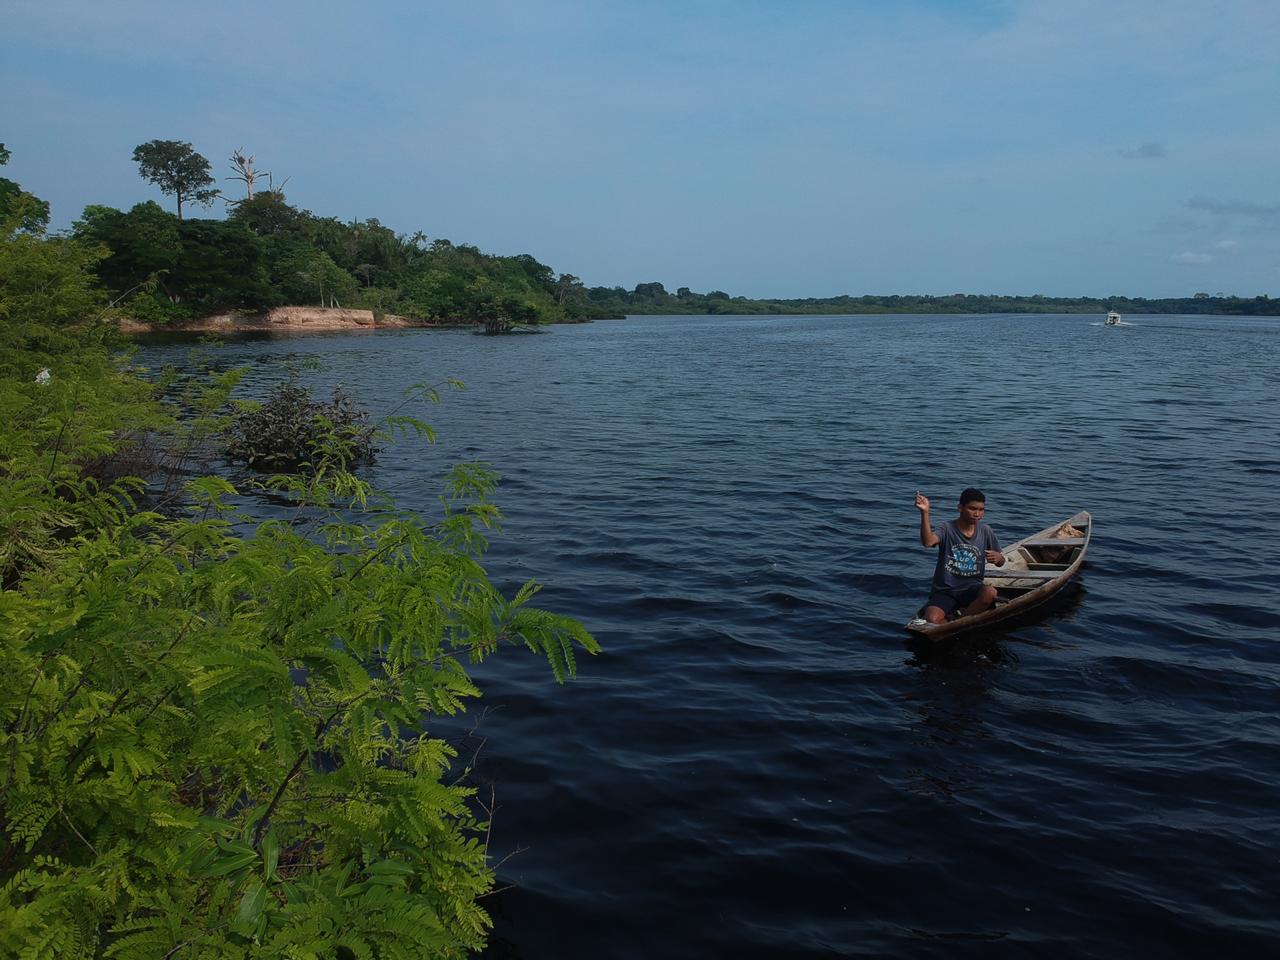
<point x="810" y="149"/>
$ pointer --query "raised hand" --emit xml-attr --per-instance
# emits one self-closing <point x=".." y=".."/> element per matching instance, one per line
<point x="922" y="502"/>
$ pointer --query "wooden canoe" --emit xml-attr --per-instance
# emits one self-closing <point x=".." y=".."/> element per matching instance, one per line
<point x="1035" y="568"/>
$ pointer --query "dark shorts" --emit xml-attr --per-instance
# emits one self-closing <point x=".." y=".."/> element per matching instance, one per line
<point x="949" y="601"/>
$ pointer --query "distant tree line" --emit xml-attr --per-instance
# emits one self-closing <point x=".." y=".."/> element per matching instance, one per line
<point x="266" y="253"/>
<point x="161" y="267"/>
<point x="653" y="298"/>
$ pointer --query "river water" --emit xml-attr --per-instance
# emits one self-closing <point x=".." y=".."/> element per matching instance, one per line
<point x="761" y="763"/>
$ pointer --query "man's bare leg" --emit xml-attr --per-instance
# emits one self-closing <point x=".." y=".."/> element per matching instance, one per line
<point x="985" y="599"/>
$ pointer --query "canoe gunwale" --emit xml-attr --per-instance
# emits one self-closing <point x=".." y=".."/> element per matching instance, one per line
<point x="1036" y="594"/>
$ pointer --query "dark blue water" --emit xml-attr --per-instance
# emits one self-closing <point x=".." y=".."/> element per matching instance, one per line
<point x="759" y="764"/>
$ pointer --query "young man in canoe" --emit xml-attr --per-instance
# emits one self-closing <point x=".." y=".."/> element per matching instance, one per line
<point x="965" y="546"/>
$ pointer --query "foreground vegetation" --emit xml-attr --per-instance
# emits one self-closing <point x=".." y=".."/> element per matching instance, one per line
<point x="214" y="733"/>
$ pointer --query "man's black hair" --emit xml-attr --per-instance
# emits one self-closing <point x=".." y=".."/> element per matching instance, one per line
<point x="970" y="494"/>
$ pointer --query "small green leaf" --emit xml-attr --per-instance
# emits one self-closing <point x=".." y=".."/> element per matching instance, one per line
<point x="226" y="865"/>
<point x="270" y="854"/>
<point x="251" y="906"/>
<point x="236" y="856"/>
<point x="390" y="871"/>
<point x="252" y="819"/>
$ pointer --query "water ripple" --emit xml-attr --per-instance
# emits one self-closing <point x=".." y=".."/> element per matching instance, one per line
<point x="758" y="765"/>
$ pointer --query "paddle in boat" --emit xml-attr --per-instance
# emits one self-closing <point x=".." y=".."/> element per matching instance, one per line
<point x="1035" y="568"/>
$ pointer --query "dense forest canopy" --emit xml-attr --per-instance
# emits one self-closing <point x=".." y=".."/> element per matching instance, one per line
<point x="267" y="253"/>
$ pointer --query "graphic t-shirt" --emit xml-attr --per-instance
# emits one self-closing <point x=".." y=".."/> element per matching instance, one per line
<point x="962" y="561"/>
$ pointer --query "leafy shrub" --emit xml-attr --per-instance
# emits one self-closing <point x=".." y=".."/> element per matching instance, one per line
<point x="217" y="741"/>
<point x="293" y="430"/>
<point x="150" y="307"/>
<point x="212" y="731"/>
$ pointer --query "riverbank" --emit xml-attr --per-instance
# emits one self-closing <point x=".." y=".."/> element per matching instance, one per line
<point x="284" y="320"/>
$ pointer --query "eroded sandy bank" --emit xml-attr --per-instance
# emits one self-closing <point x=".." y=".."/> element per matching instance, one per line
<point x="281" y="320"/>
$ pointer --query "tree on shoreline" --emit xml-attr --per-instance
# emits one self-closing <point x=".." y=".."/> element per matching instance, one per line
<point x="23" y="210"/>
<point x="176" y="168"/>
<point x="243" y="166"/>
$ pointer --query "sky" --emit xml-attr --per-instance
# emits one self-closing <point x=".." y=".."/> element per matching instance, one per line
<point x="806" y="148"/>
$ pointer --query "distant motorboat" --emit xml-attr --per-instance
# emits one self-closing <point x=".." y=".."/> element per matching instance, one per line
<point x="1113" y="319"/>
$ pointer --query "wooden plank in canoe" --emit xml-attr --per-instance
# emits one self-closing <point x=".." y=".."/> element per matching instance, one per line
<point x="1023" y="574"/>
<point x="1051" y="542"/>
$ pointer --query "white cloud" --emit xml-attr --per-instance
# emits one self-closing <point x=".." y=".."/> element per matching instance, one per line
<point x="1227" y="244"/>
<point x="1148" y="151"/>
<point x="1266" y="214"/>
<point x="1191" y="258"/>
